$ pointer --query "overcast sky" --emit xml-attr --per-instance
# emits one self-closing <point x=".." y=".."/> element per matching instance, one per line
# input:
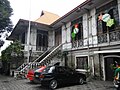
<point x="21" y="8"/>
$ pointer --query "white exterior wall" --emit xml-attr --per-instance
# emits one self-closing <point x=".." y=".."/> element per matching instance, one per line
<point x="63" y="34"/>
<point x="66" y="36"/>
<point x="33" y="38"/>
<point x="93" y="21"/>
<point x="51" y="38"/>
<point x="93" y="34"/>
<point x="119" y="10"/>
<point x="26" y="39"/>
<point x="68" y="32"/>
<point x="85" y="28"/>
<point x="89" y="23"/>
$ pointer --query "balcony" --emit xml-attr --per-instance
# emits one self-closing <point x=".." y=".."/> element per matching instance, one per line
<point x="77" y="43"/>
<point x="113" y="36"/>
<point x="102" y="39"/>
<point x="36" y="48"/>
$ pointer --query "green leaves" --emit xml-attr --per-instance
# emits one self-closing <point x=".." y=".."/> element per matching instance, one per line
<point x="5" y="14"/>
<point x="5" y="21"/>
<point x="14" y="50"/>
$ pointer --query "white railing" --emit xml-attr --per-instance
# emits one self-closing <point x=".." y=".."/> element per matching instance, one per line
<point x="27" y="66"/>
<point x="43" y="54"/>
<point x="51" y="53"/>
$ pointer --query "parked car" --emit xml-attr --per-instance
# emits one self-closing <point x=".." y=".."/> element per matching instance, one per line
<point x="31" y="73"/>
<point x="53" y="76"/>
<point x="37" y="73"/>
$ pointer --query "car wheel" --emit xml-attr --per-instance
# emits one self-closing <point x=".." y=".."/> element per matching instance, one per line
<point x="81" y="81"/>
<point x="53" y="84"/>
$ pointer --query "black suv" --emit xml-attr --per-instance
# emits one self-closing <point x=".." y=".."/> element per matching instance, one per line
<point x="53" y="76"/>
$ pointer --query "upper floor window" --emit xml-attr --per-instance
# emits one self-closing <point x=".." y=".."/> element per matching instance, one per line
<point x="58" y="36"/>
<point x="110" y="11"/>
<point x="42" y="38"/>
<point x="77" y="29"/>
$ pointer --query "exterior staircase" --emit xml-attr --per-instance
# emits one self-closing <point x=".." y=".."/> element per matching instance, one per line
<point x="43" y="59"/>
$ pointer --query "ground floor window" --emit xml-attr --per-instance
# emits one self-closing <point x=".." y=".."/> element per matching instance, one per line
<point x="81" y="62"/>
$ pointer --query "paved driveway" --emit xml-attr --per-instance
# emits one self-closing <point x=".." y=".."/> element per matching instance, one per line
<point x="92" y="85"/>
<point x="10" y="83"/>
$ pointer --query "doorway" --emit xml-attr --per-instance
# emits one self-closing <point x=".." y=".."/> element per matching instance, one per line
<point x="110" y="62"/>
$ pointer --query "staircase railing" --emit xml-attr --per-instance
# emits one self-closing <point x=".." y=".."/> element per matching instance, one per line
<point x="47" y="57"/>
<point x="43" y="54"/>
<point x="23" y="65"/>
<point x="51" y="53"/>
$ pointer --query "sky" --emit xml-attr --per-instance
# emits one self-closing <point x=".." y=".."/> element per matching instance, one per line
<point x="31" y="9"/>
<point x="23" y="9"/>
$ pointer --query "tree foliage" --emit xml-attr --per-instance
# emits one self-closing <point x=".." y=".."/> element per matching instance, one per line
<point x="5" y="14"/>
<point x="14" y="50"/>
<point x="5" y="21"/>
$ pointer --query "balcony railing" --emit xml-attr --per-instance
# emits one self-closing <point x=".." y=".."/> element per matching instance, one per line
<point x="102" y="38"/>
<point x="109" y="37"/>
<point x="113" y="36"/>
<point x="77" y="43"/>
<point x="41" y="48"/>
<point x="38" y="48"/>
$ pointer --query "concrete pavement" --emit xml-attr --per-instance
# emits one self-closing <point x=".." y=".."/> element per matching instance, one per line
<point x="92" y="85"/>
<point x="10" y="83"/>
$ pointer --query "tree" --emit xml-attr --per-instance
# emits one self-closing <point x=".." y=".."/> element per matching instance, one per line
<point x="15" y="49"/>
<point x="12" y="52"/>
<point x="5" y="21"/>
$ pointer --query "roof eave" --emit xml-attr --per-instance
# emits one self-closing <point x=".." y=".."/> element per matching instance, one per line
<point x="69" y="13"/>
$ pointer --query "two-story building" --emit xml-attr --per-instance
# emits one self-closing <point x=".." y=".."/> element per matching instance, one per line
<point x="89" y="34"/>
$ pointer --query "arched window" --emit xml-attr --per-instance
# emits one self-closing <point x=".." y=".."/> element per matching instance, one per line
<point x="111" y="9"/>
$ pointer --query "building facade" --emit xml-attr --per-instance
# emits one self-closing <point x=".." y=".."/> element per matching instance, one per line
<point x="95" y="45"/>
<point x="90" y="34"/>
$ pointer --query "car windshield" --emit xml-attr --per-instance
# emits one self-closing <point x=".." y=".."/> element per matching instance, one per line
<point x="40" y="69"/>
<point x="49" y="69"/>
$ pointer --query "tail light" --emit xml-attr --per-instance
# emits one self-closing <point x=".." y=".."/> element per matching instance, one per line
<point x="41" y="76"/>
